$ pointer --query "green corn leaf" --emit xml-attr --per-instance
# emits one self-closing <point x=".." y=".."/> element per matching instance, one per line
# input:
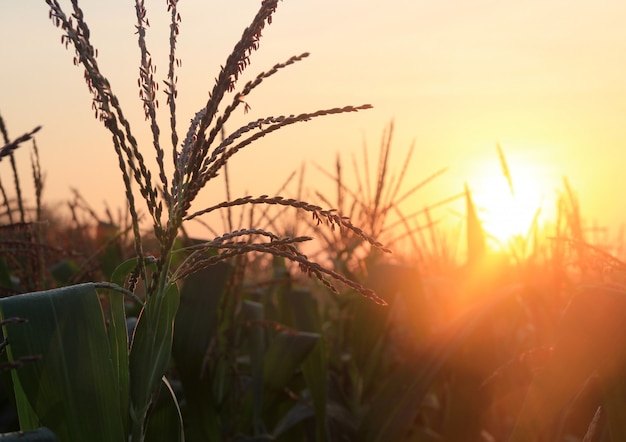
<point x="301" y="411"/>
<point x="151" y="351"/>
<point x="26" y="415"/>
<point x="72" y="388"/>
<point x="253" y="311"/>
<point x="118" y="342"/>
<point x="286" y="353"/>
<point x="165" y="422"/>
<point x="195" y="327"/>
<point x="151" y="343"/>
<point x="315" y="367"/>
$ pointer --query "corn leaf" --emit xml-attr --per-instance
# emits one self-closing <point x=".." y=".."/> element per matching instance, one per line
<point x="151" y="350"/>
<point x="165" y="423"/>
<point x="253" y="312"/>
<point x="286" y="353"/>
<point x="195" y="327"/>
<point x="315" y="367"/>
<point x="70" y="388"/>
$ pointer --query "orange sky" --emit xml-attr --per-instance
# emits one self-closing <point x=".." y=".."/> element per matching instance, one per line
<point x="545" y="79"/>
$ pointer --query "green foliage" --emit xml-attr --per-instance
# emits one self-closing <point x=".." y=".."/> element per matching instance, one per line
<point x="197" y="328"/>
<point x="69" y="386"/>
<point x="151" y="348"/>
<point x="165" y="422"/>
<point x="233" y="368"/>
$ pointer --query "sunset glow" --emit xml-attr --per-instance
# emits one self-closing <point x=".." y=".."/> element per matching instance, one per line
<point x="454" y="77"/>
<point x="506" y="215"/>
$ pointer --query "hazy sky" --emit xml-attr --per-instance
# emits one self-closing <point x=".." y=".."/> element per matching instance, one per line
<point x="545" y="79"/>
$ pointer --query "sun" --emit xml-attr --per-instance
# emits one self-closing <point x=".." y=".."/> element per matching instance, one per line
<point x="510" y="202"/>
<point x="506" y="215"/>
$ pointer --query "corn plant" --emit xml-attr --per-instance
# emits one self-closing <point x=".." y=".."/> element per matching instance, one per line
<point x="106" y="391"/>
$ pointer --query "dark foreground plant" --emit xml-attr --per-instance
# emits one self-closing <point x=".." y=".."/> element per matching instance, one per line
<point x="137" y="375"/>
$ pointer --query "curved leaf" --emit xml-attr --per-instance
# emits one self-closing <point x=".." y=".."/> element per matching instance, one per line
<point x="151" y="350"/>
<point x="165" y="423"/>
<point x="70" y="387"/>
<point x="196" y="326"/>
<point x="286" y="353"/>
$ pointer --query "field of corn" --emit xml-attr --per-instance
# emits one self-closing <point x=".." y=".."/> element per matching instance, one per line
<point x="125" y="328"/>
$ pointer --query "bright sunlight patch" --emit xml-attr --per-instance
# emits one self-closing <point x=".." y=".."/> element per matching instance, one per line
<point x="512" y="199"/>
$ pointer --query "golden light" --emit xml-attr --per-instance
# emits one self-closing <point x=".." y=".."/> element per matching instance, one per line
<point x="510" y="201"/>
